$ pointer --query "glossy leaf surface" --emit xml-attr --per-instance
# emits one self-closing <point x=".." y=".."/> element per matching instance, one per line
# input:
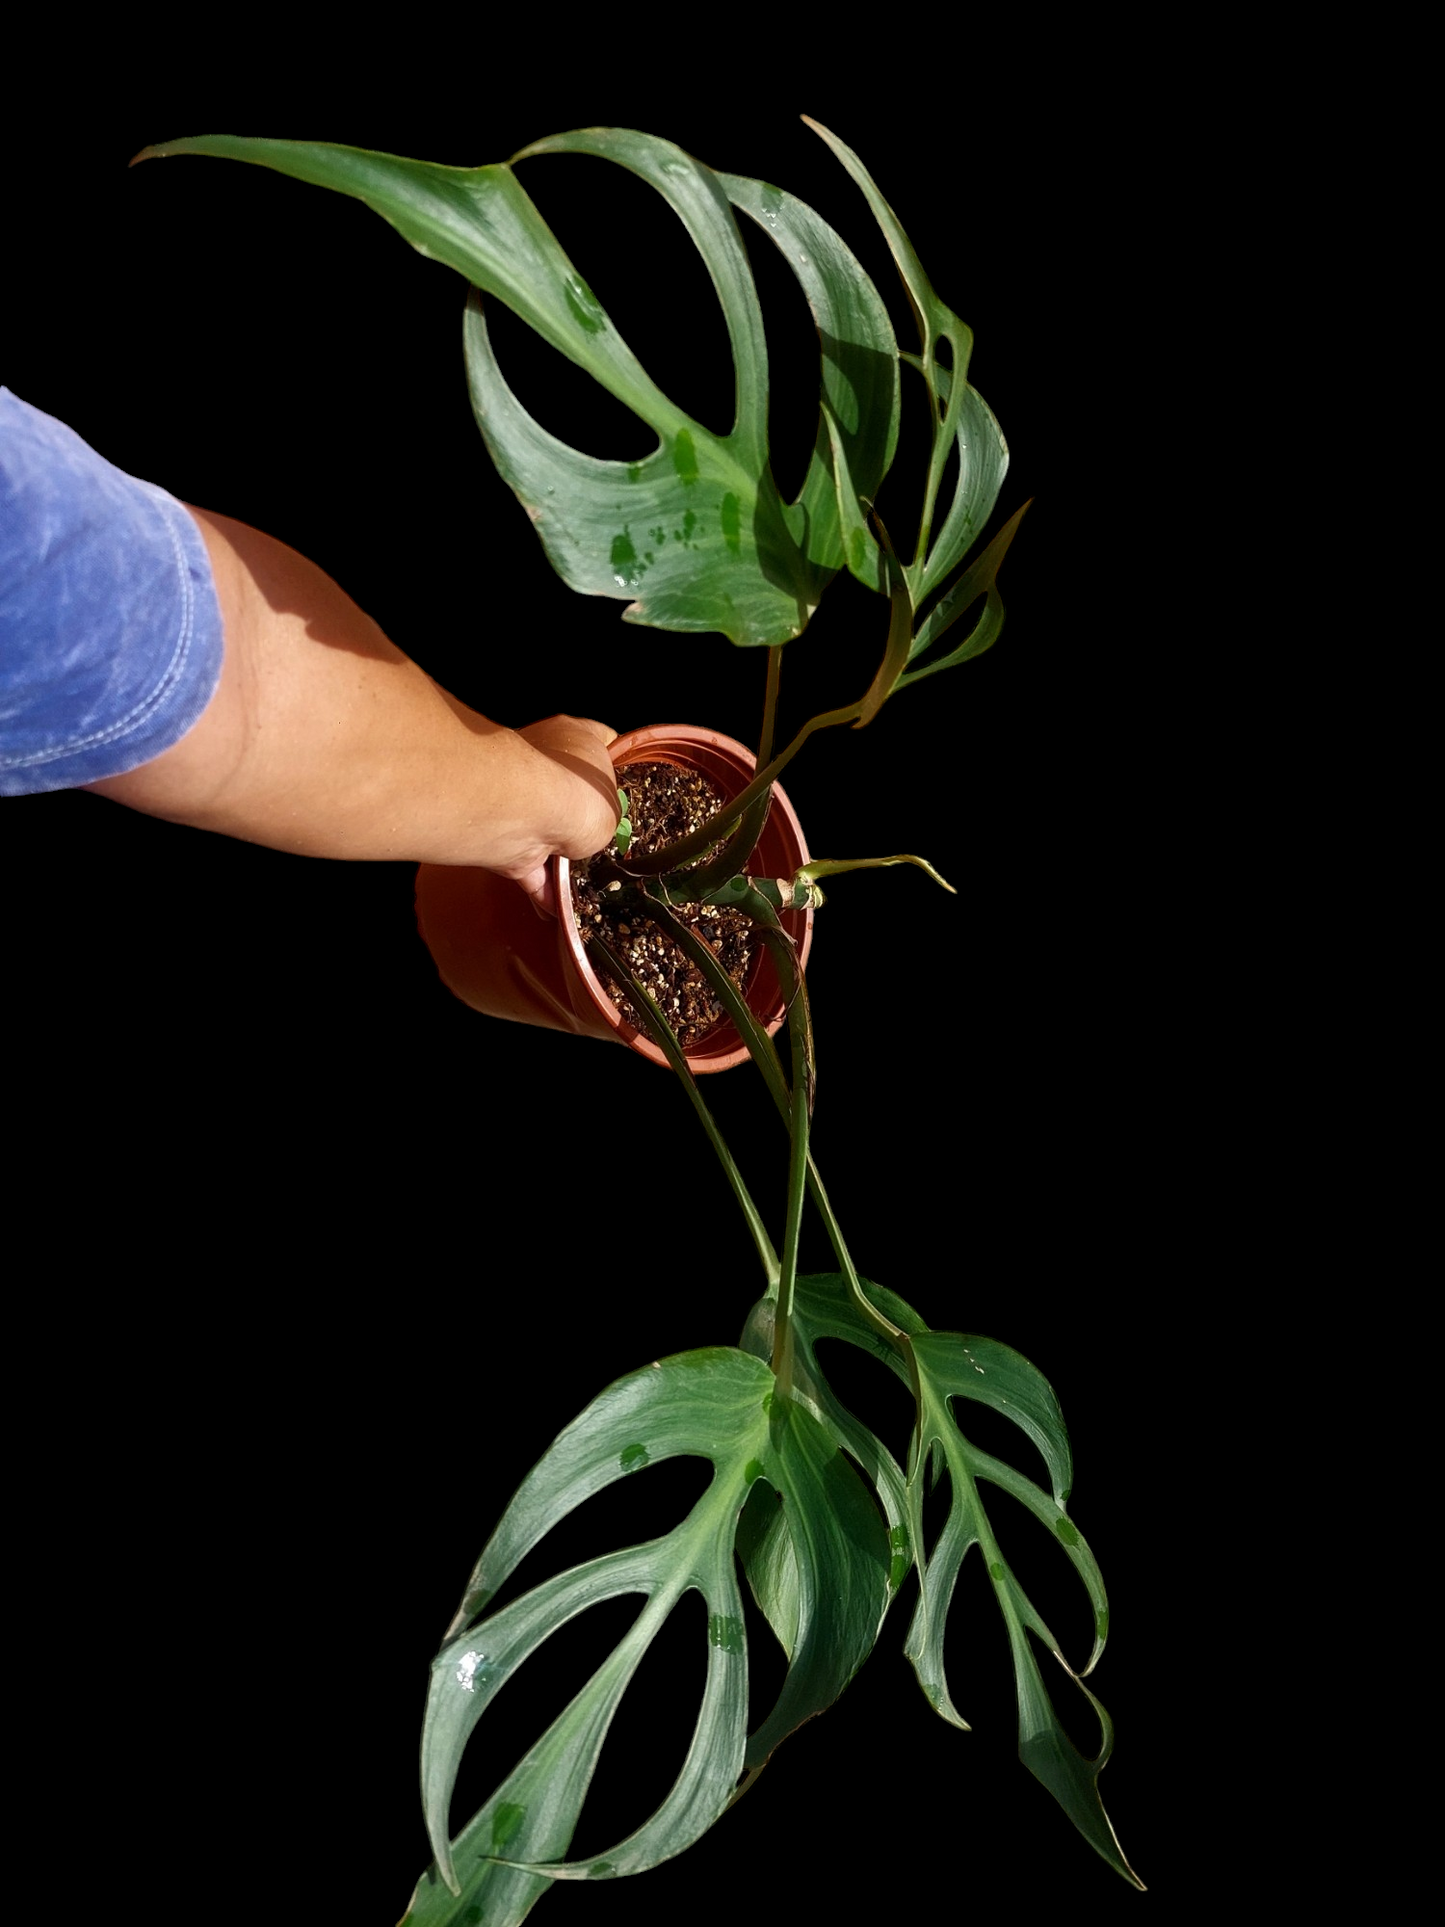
<point x="980" y="578"/>
<point x="949" y="1367"/>
<point x="858" y="417"/>
<point x="716" y="1405"/>
<point x="835" y="866"/>
<point x="960" y="415"/>
<point x="693" y="534"/>
<point x="952" y="1367"/>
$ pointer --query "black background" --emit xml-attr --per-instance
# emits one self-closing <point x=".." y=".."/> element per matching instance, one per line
<point x="331" y="1258"/>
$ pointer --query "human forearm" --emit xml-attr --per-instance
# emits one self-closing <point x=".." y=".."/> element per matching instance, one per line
<point x="324" y="739"/>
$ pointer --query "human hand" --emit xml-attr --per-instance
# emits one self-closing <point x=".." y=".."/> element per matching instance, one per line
<point x="577" y="799"/>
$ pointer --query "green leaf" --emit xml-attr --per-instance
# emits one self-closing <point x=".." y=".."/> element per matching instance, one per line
<point x="982" y="450"/>
<point x="951" y="1367"/>
<point x="478" y="220"/>
<point x="982" y="465"/>
<point x="865" y="558"/>
<point x="858" y="414"/>
<point x="997" y="1376"/>
<point x="832" y="867"/>
<point x="841" y="1556"/>
<point x="948" y="1367"/>
<point x="765" y="1547"/>
<point x="717" y="1405"/>
<point x="693" y="535"/>
<point x="695" y="532"/>
<point x="823" y="1308"/>
<point x="980" y="578"/>
<point x="935" y="321"/>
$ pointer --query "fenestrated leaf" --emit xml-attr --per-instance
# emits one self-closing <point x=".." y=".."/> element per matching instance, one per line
<point x="858" y="417"/>
<point x="693" y="534"/>
<point x="683" y="531"/>
<point x="936" y="321"/>
<point x="480" y="221"/>
<point x="699" y="197"/>
<point x="980" y="578"/>
<point x="710" y="543"/>
<point x="949" y="1366"/>
<point x="717" y="1405"/>
<point x="998" y="1376"/>
<point x="823" y="1308"/>
<point x="982" y="464"/>
<point x="960" y="414"/>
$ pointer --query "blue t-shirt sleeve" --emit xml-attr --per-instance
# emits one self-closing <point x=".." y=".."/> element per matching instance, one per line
<point x="110" y="631"/>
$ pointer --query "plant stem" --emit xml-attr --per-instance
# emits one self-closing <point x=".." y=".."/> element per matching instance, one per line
<point x="697" y="841"/>
<point x="749" y="894"/>
<point x="765" y="1056"/>
<point x="943" y="434"/>
<point x="661" y="862"/>
<point x="666" y="1041"/>
<point x="696" y="885"/>
<point x="936" y="460"/>
<point x="797" y="1185"/>
<point x="770" y="703"/>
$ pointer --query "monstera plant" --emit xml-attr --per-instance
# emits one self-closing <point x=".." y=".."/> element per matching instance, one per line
<point x="825" y="1518"/>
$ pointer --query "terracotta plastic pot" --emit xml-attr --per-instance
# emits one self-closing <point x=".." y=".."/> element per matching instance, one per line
<point x="497" y="954"/>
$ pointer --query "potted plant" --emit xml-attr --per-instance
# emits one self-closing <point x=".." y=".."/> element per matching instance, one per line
<point x="495" y="953"/>
<point x="827" y="1519"/>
